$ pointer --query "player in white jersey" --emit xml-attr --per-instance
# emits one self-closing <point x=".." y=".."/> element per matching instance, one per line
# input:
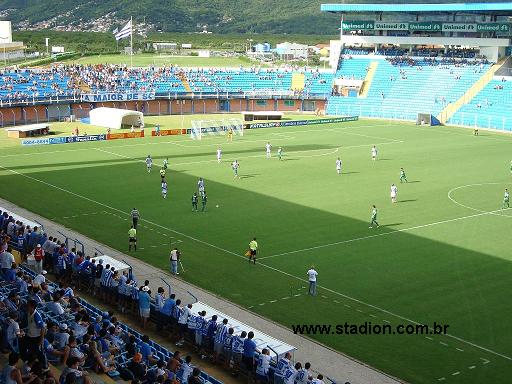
<point x="149" y="163"/>
<point x="268" y="149"/>
<point x="339" y="164"/>
<point x="394" y="193"/>
<point x="219" y="155"/>
<point x="164" y="189"/>
<point x="200" y="186"/>
<point x="374" y="153"/>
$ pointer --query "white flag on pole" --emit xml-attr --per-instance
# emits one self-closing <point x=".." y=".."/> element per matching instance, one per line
<point x="126" y="31"/>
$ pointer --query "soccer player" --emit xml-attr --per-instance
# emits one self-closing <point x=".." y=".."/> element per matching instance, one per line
<point x="374" y="217"/>
<point x="166" y="163"/>
<point x="253" y="249"/>
<point x="200" y="186"/>
<point x="291" y="373"/>
<point x="162" y="173"/>
<point x="230" y="134"/>
<point x="280" y="153"/>
<point x="268" y="149"/>
<point x="510" y="166"/>
<point x="204" y="199"/>
<point x="235" y="165"/>
<point x="262" y="366"/>
<point x="339" y="164"/>
<point x="194" y="202"/>
<point x="149" y="163"/>
<point x="506" y="199"/>
<point x="219" y="154"/>
<point x="374" y="153"/>
<point x="402" y="176"/>
<point x="132" y="239"/>
<point x="135" y="217"/>
<point x="164" y="189"/>
<point x="394" y="192"/>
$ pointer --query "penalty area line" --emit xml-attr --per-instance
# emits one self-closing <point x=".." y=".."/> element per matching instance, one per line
<point x="261" y="264"/>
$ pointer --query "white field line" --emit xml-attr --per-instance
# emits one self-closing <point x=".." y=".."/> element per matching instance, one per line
<point x="393" y="232"/>
<point x="180" y="143"/>
<point x="450" y="192"/>
<point x="261" y="264"/>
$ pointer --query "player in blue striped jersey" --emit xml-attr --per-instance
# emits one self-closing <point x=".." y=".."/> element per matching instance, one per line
<point x="281" y="367"/>
<point x="228" y="343"/>
<point x="200" y="325"/>
<point x="291" y="373"/>
<point x="238" y="349"/>
<point x="303" y="374"/>
<point x="61" y="265"/>
<point x="263" y="366"/>
<point x="220" y="336"/>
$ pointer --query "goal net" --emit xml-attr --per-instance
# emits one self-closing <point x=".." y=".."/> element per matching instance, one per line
<point x="217" y="127"/>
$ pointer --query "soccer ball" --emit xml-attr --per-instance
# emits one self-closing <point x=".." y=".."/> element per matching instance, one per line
<point x="217" y="206"/>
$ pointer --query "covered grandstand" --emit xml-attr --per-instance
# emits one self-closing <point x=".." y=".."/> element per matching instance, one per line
<point x="448" y="60"/>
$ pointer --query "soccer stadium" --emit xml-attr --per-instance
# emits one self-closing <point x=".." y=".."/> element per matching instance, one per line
<point x="267" y="222"/>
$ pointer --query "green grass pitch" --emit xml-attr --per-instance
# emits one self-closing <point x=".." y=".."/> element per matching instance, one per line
<point x="442" y="253"/>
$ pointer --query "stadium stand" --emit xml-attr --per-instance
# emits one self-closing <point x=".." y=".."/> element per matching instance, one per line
<point x="69" y="81"/>
<point x="490" y="108"/>
<point x="403" y="86"/>
<point x="81" y="337"/>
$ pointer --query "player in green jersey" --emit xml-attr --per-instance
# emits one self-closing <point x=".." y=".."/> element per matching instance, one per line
<point x="374" y="217"/>
<point x="204" y="199"/>
<point x="402" y="176"/>
<point x="280" y="153"/>
<point x="194" y="202"/>
<point x="166" y="163"/>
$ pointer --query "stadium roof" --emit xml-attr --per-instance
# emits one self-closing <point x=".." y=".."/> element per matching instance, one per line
<point x="446" y="7"/>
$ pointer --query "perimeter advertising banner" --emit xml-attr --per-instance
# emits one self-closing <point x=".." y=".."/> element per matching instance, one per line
<point x="63" y="140"/>
<point x="125" y="135"/>
<point x="431" y="26"/>
<point x="103" y="97"/>
<point x="169" y="132"/>
<point x="293" y="123"/>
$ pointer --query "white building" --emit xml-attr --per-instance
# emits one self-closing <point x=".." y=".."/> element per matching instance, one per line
<point x="9" y="49"/>
<point x="292" y="50"/>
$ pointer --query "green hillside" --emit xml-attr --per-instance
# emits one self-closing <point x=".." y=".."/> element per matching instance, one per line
<point x="221" y="16"/>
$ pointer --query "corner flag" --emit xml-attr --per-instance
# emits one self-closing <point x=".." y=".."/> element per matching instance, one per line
<point x="125" y="31"/>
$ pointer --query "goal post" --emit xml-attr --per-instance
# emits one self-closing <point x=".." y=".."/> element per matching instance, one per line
<point x="218" y="127"/>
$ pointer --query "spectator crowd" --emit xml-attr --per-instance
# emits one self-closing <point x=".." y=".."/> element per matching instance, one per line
<point x="48" y="323"/>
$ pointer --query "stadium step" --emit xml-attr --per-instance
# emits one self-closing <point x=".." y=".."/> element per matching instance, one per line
<point x="367" y="82"/>
<point x="452" y="108"/>
<point x="298" y="82"/>
<point x="185" y="83"/>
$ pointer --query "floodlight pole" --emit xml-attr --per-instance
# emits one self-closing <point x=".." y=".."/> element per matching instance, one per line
<point x="131" y="42"/>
